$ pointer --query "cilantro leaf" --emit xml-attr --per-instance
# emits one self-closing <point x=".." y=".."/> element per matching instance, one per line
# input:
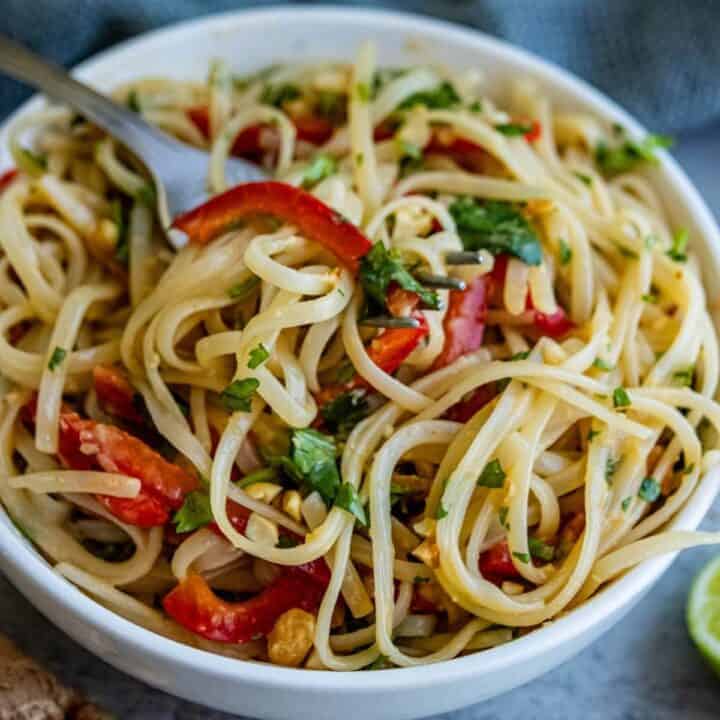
<point x="344" y="412"/>
<point x="322" y="166"/>
<point x="278" y="95"/>
<point x="258" y="355"/>
<point x="242" y="290"/>
<point x="685" y="377"/>
<point x="678" y="251"/>
<point x="625" y="504"/>
<point x="348" y="499"/>
<point x="541" y="550"/>
<point x="440" y="98"/>
<point x="57" y="357"/>
<point x="440" y="511"/>
<point x="313" y="454"/>
<point x="493" y="475"/>
<point x="380" y="267"/>
<point x="565" y="252"/>
<point x="621" y="398"/>
<point x="522" y="557"/>
<point x="629" y="154"/>
<point x="238" y="395"/>
<point x="258" y="476"/>
<point x="194" y="513"/>
<point x="513" y="129"/>
<point x="496" y="226"/>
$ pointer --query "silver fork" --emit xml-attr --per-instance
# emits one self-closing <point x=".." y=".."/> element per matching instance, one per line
<point x="179" y="171"/>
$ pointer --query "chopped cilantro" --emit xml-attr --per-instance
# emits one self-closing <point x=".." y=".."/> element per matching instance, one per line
<point x="629" y="154"/>
<point x="685" y="377"/>
<point x="57" y="357"/>
<point x="524" y="355"/>
<point x="565" y="252"/>
<point x="625" y="504"/>
<point x="380" y="267"/>
<point x="238" y="395"/>
<point x="258" y="356"/>
<point x="496" y="226"/>
<point x="313" y="454"/>
<point x="287" y="541"/>
<point x="440" y="511"/>
<point x="502" y="516"/>
<point x="522" y="557"/>
<point x="611" y="466"/>
<point x="592" y="434"/>
<point x="492" y="476"/>
<point x="348" y="499"/>
<point x="475" y="106"/>
<point x="513" y="129"/>
<point x="278" y="95"/>
<point x="359" y="159"/>
<point x="649" y="489"/>
<point x="344" y="412"/>
<point x="601" y="364"/>
<point x="541" y="550"/>
<point x="587" y="179"/>
<point x="621" y="398"/>
<point x="409" y="154"/>
<point x="194" y="513"/>
<point x="442" y="97"/>
<point x="257" y="476"/>
<point x="678" y="250"/>
<point x="322" y="166"/>
<point x="242" y="290"/>
<point x="650" y="298"/>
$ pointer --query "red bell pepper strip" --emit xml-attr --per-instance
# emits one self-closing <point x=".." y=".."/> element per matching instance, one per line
<point x="535" y="132"/>
<point x="90" y="445"/>
<point x="390" y="349"/>
<point x="7" y="177"/>
<point x="556" y="325"/>
<point x="464" y="322"/>
<point x="496" y="563"/>
<point x="465" y="409"/>
<point x="309" y="128"/>
<point x="196" y="607"/>
<point x="311" y="216"/>
<point x="116" y="395"/>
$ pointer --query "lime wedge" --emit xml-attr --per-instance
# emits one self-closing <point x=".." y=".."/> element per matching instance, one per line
<point x="703" y="613"/>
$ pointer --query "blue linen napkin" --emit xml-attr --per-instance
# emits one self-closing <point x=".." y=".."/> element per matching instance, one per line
<point x="658" y="58"/>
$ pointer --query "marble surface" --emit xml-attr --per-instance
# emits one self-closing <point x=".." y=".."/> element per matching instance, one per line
<point x="645" y="668"/>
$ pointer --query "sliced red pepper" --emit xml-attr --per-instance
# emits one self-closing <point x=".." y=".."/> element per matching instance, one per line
<point x="390" y="349"/>
<point x="535" y="132"/>
<point x="496" y="563"/>
<point x="401" y="303"/>
<point x="90" y="445"/>
<point x="7" y="177"/>
<point x="248" y="143"/>
<point x="466" y="409"/>
<point x="116" y="395"/>
<point x="311" y="216"/>
<point x="196" y="607"/>
<point x="464" y="322"/>
<point x="556" y="325"/>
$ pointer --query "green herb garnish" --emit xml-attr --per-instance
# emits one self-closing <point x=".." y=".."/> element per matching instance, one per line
<point x="322" y="166"/>
<point x="345" y="411"/>
<point x="348" y="499"/>
<point x="629" y="154"/>
<point x="492" y="476"/>
<point x="678" y="250"/>
<point x="496" y="226"/>
<point x="565" y="252"/>
<point x="649" y="489"/>
<point x="258" y="355"/>
<point x="194" y="513"/>
<point x="621" y="398"/>
<point x="313" y="454"/>
<point x="238" y="395"/>
<point x="513" y="129"/>
<point x="278" y="95"/>
<point x="57" y="357"/>
<point x="243" y="290"/>
<point x="442" y="97"/>
<point x="541" y="550"/>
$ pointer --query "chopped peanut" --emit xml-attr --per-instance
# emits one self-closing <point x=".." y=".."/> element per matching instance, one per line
<point x="264" y="491"/>
<point x="262" y="530"/>
<point x="292" y="637"/>
<point x="291" y="504"/>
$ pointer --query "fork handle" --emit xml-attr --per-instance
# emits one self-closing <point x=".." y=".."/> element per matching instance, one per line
<point x="54" y="81"/>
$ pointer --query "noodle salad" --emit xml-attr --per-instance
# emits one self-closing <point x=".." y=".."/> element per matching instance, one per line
<point x="431" y="386"/>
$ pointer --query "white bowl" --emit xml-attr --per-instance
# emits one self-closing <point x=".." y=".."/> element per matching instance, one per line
<point x="250" y="40"/>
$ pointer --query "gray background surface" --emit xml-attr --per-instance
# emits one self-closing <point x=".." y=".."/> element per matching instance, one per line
<point x="643" y="669"/>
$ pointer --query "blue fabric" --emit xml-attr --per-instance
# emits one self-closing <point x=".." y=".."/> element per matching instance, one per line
<point x="658" y="58"/>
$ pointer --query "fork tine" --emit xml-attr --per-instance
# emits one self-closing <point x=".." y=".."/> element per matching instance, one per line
<point x="386" y="321"/>
<point x="464" y="257"/>
<point x="440" y="282"/>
